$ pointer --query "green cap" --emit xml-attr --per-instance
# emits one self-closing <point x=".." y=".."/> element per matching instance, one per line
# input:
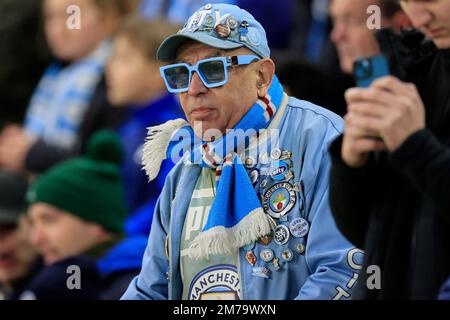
<point x="89" y="187"/>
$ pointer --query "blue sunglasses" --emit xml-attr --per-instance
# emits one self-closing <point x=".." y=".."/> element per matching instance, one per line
<point x="212" y="71"/>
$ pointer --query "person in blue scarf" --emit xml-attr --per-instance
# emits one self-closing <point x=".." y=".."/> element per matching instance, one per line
<point x="134" y="85"/>
<point x="244" y="214"/>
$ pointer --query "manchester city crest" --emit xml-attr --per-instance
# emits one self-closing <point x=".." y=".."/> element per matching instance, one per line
<point x="279" y="199"/>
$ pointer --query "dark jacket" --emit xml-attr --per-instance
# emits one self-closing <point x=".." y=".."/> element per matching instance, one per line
<point x="397" y="207"/>
<point x="19" y="286"/>
<point x="104" y="273"/>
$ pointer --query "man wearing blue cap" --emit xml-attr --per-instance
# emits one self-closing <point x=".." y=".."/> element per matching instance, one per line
<point x="244" y="214"/>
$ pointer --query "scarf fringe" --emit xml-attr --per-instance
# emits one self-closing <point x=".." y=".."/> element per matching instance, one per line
<point x="156" y="145"/>
<point x="227" y="241"/>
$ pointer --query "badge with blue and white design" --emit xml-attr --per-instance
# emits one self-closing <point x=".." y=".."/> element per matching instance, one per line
<point x="281" y="234"/>
<point x="299" y="227"/>
<point x="279" y="199"/>
<point x="279" y="172"/>
<point x="267" y="255"/>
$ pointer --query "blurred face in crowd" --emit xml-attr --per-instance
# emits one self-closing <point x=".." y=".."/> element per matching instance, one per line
<point x="17" y="255"/>
<point x="59" y="235"/>
<point x="432" y="17"/>
<point x="74" y="44"/>
<point x="132" y="77"/>
<point x="223" y="107"/>
<point x="352" y="37"/>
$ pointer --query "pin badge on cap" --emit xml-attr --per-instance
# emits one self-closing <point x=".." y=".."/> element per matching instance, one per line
<point x="223" y="30"/>
<point x="243" y="30"/>
<point x="209" y="21"/>
<point x="253" y="37"/>
<point x="232" y="23"/>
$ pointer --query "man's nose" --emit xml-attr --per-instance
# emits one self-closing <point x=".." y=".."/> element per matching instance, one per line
<point x="35" y="236"/>
<point x="337" y="33"/>
<point x="196" y="86"/>
<point x="418" y="13"/>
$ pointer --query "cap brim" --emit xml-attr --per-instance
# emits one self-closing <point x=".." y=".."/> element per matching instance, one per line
<point x="169" y="48"/>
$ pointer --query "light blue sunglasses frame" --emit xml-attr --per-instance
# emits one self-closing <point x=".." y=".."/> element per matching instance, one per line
<point x="226" y="62"/>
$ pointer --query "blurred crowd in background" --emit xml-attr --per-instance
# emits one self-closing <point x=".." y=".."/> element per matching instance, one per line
<point x="69" y="187"/>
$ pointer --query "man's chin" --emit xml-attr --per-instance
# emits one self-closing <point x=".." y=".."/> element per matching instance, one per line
<point x="51" y="259"/>
<point x="442" y="44"/>
<point x="207" y="131"/>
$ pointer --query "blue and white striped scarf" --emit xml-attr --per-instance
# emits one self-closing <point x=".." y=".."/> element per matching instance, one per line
<point x="234" y="220"/>
<point x="62" y="97"/>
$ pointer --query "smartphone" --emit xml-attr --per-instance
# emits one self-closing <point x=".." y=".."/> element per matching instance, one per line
<point x="366" y="70"/>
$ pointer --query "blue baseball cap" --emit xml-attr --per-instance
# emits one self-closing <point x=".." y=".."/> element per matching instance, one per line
<point x="221" y="26"/>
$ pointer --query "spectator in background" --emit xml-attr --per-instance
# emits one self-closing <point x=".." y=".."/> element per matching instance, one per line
<point x="77" y="210"/>
<point x="390" y="176"/>
<point x="311" y="42"/>
<point x="69" y="103"/>
<point x="23" y="56"/>
<point x="18" y="259"/>
<point x="352" y="36"/>
<point x="135" y="84"/>
<point x="307" y="81"/>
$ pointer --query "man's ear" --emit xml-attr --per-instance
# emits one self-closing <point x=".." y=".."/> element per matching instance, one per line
<point x="266" y="71"/>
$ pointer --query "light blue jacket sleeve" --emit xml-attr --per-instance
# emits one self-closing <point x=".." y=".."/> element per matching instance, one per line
<point x="152" y="282"/>
<point x="327" y="251"/>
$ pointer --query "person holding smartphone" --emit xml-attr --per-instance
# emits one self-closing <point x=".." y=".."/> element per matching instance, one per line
<point x="396" y="206"/>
